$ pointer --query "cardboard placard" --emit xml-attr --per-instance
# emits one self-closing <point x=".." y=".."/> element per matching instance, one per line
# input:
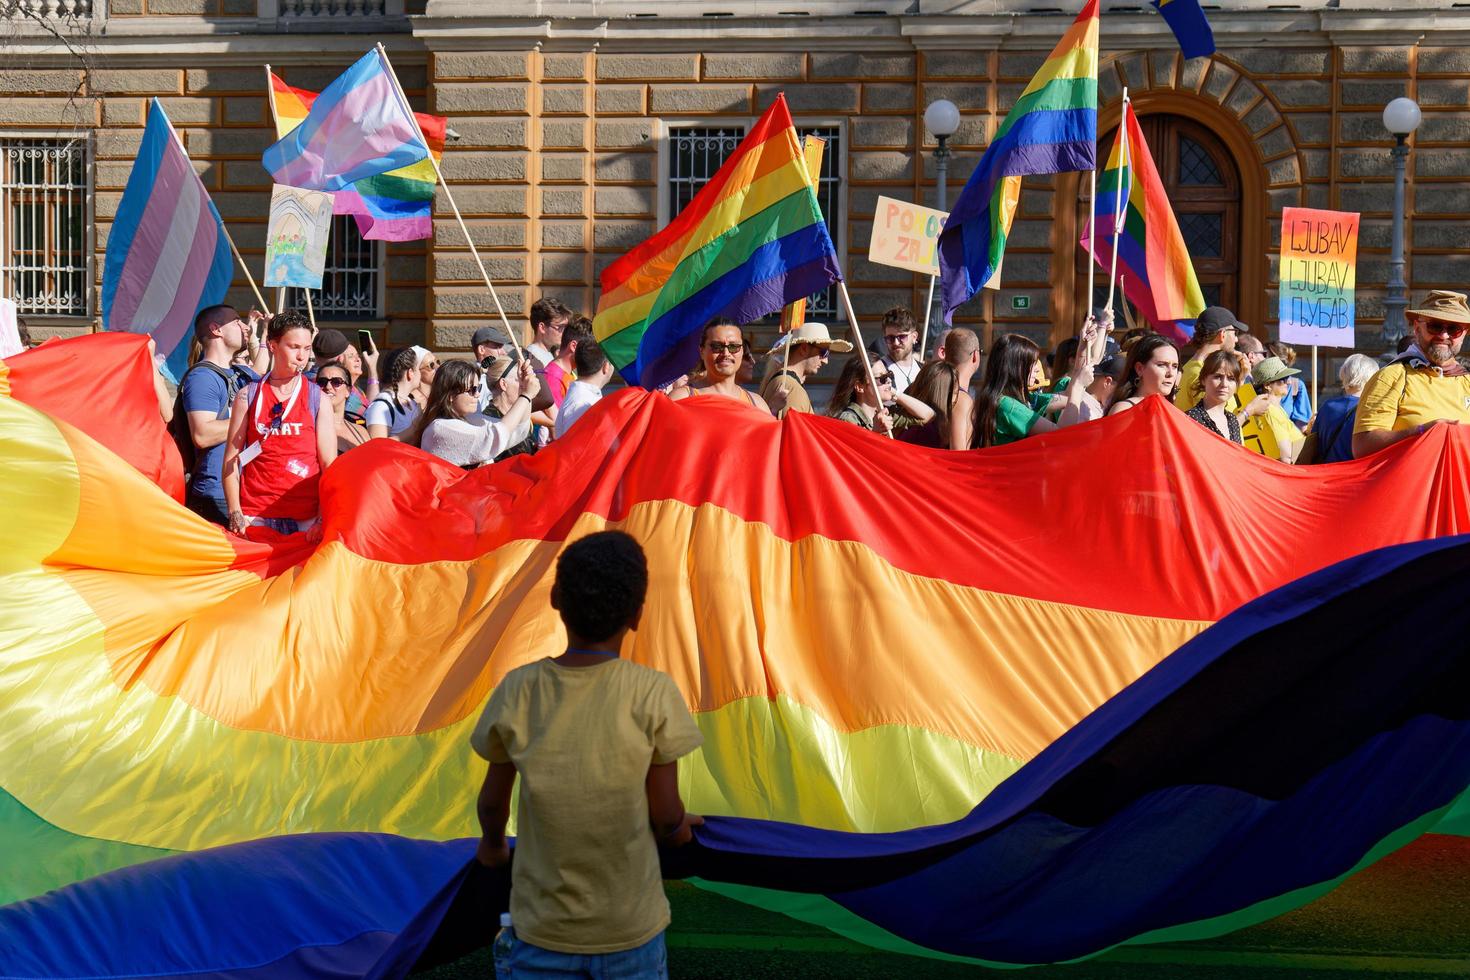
<point x="906" y="236"/>
<point x="1319" y="257"/>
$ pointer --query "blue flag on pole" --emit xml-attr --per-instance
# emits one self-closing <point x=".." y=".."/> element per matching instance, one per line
<point x="1187" y="20"/>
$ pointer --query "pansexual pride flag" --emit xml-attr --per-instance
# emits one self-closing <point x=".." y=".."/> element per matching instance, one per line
<point x="396" y="206"/>
<point x="167" y="254"/>
<point x="752" y="240"/>
<point x="358" y="127"/>
<point x="1030" y="769"/>
<point x="1051" y="129"/>
<point x="1158" y="279"/>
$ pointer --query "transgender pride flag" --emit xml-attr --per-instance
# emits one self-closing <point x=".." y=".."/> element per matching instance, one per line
<point x="357" y="128"/>
<point x="167" y="254"/>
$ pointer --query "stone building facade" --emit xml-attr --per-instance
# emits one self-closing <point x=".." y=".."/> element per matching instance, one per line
<point x="580" y="124"/>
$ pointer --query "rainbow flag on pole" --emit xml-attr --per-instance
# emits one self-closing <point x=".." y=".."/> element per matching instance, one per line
<point x="396" y="206"/>
<point x="1152" y="259"/>
<point x="358" y="127"/>
<point x="1051" y="129"/>
<point x="750" y="242"/>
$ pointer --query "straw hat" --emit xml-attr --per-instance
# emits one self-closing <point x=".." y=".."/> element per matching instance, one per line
<point x="1271" y="369"/>
<point x="816" y="333"/>
<point x="1444" y="305"/>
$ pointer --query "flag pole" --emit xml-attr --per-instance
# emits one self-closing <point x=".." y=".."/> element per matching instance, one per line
<point x="270" y="100"/>
<point x="310" y="313"/>
<point x="1092" y="238"/>
<point x="1125" y="164"/>
<point x="449" y="195"/>
<point x="863" y="351"/>
<point x="928" y="306"/>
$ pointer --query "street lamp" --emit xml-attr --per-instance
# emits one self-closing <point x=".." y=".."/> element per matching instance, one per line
<point x="1400" y="117"/>
<point x="942" y="118"/>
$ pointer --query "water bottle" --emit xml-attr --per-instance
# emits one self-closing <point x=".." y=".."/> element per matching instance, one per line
<point x="504" y="942"/>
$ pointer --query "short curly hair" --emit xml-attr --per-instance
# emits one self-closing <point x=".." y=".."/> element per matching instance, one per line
<point x="601" y="582"/>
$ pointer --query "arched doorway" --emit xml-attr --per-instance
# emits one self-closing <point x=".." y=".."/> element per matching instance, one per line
<point x="1203" y="184"/>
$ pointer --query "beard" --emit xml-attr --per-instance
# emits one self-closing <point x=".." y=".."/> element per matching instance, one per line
<point x="1439" y="353"/>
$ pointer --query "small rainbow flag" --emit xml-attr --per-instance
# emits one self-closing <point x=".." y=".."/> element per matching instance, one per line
<point x="396" y="206"/>
<point x="1051" y="129"/>
<point x="752" y="240"/>
<point x="358" y="127"/>
<point x="1152" y="258"/>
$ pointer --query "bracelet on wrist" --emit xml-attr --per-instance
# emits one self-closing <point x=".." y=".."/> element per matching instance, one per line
<point x="527" y="398"/>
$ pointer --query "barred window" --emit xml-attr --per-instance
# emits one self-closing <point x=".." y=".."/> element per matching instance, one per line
<point x="352" y="279"/>
<point x="45" y="218"/>
<point x="697" y="152"/>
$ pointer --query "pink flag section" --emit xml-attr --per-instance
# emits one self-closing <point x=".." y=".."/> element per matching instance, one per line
<point x="357" y="128"/>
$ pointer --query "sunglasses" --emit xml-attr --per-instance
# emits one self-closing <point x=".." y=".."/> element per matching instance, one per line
<point x="883" y="379"/>
<point x="327" y="383"/>
<point x="894" y="338"/>
<point x="717" y="348"/>
<point x="430" y="366"/>
<point x="1448" y="329"/>
<point x="473" y="389"/>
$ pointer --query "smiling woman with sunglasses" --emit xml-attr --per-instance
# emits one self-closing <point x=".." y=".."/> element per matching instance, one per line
<point x="451" y="429"/>
<point x="335" y="382"/>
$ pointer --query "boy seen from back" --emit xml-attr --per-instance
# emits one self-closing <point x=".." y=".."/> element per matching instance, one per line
<point x="595" y="740"/>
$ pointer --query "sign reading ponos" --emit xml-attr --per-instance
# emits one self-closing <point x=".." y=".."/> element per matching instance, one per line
<point x="905" y="236"/>
<point x="1319" y="257"/>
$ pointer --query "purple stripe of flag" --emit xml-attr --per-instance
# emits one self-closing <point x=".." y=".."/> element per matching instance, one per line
<point x="150" y="238"/>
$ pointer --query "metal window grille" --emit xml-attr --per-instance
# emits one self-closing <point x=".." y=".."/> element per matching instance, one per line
<point x="351" y="278"/>
<point x="697" y="152"/>
<point x="45" y="217"/>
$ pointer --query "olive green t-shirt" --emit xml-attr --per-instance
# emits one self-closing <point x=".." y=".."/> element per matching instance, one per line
<point x="586" y="874"/>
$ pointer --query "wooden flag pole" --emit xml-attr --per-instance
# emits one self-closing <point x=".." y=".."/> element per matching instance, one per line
<point x="857" y="336"/>
<point x="270" y="100"/>
<point x="928" y="307"/>
<point x="1124" y="166"/>
<point x="1092" y="239"/>
<point x="310" y="313"/>
<point x="449" y="196"/>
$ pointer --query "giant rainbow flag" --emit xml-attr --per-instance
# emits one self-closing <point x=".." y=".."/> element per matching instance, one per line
<point x="397" y="206"/>
<point x="910" y="736"/>
<point x="1158" y="276"/>
<point x="752" y="240"/>
<point x="1051" y="129"/>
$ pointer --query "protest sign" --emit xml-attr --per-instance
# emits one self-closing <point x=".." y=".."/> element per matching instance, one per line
<point x="296" y="239"/>
<point x="905" y="236"/>
<point x="1319" y="254"/>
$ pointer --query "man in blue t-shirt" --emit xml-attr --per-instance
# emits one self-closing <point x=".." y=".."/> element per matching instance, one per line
<point x="207" y="392"/>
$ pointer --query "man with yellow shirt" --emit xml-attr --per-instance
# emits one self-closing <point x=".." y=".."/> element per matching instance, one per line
<point x="1424" y="385"/>
<point x="1215" y="329"/>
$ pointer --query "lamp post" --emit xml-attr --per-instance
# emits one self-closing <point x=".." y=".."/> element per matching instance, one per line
<point x="942" y="118"/>
<point x="1401" y="118"/>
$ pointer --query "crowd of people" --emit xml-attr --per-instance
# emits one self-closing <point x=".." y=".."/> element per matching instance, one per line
<point x="270" y="401"/>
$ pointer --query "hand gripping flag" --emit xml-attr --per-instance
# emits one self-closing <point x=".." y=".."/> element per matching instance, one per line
<point x="167" y="254"/>
<point x="396" y="206"/>
<point x="1152" y="257"/>
<point x="750" y="242"/>
<point x="1051" y="129"/>
<point x="357" y="128"/>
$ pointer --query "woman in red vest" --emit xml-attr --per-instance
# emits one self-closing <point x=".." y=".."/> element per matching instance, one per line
<point x="282" y="435"/>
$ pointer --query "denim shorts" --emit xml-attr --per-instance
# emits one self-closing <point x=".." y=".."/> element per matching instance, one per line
<point x="527" y="962"/>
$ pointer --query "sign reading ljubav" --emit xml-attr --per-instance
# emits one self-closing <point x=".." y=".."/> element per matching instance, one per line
<point x="1319" y="256"/>
<point x="905" y="236"/>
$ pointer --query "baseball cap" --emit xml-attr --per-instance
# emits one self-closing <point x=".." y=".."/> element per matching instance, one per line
<point x="489" y="335"/>
<point x="1216" y="319"/>
<point x="328" y="344"/>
